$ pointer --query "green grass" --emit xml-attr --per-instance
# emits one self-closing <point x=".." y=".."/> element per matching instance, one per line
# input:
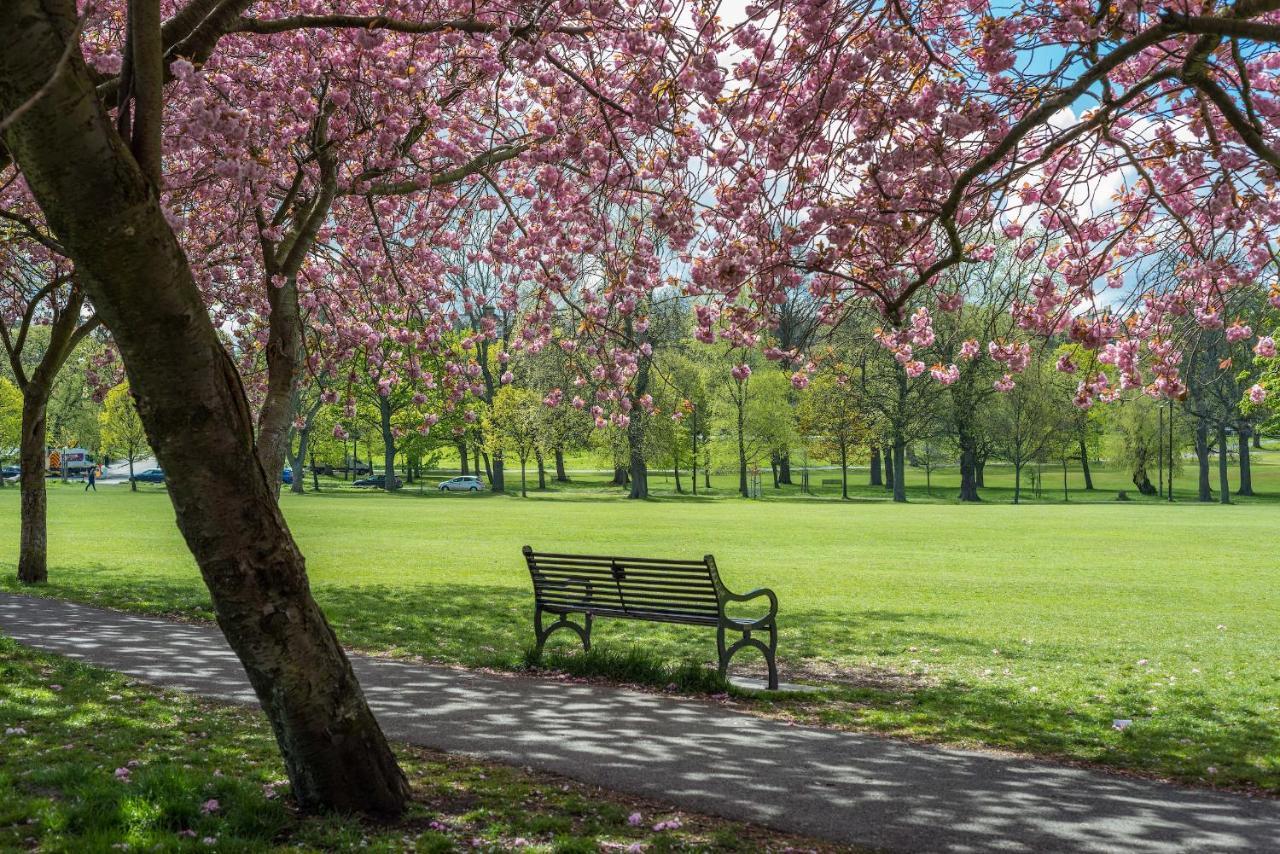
<point x="1028" y="627"/>
<point x="200" y="776"/>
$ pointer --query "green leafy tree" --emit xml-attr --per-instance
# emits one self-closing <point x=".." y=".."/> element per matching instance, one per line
<point x="513" y="424"/>
<point x="121" y="429"/>
<point x="831" y="419"/>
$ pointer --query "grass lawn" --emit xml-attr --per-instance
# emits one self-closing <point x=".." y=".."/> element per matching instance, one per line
<point x="92" y="762"/>
<point x="1028" y="627"/>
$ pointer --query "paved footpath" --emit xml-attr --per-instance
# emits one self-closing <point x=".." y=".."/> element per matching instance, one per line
<point x="857" y="789"/>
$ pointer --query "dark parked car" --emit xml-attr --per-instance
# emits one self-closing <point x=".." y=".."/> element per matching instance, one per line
<point x="286" y="476"/>
<point x="375" y="481"/>
<point x="10" y="472"/>
<point x="150" y="476"/>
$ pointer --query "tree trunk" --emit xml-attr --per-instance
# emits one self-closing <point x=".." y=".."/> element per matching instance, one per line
<point x="899" y="469"/>
<point x="488" y="467"/>
<point x="844" y="472"/>
<point x="499" y="478"/>
<point x="1084" y="466"/>
<point x="1246" y="468"/>
<point x="133" y="484"/>
<point x="389" y="483"/>
<point x="675" y="470"/>
<point x="524" y="492"/>
<point x="706" y="468"/>
<point x="980" y="471"/>
<point x="620" y="477"/>
<point x="876" y="478"/>
<point x="193" y="405"/>
<point x="462" y="456"/>
<point x="299" y="483"/>
<point x="1224" y="488"/>
<point x="1143" y="481"/>
<point x="774" y="465"/>
<point x="639" y="470"/>
<point x="968" y="469"/>
<point x="1257" y="440"/>
<point x="888" y="468"/>
<point x="542" y="470"/>
<point x="784" y="469"/>
<point x="1017" y="482"/>
<point x="33" y="548"/>
<point x="1202" y="458"/>
<point x="743" y="489"/>
<point x="561" y="476"/>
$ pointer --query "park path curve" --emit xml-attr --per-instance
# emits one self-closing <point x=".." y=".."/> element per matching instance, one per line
<point x="861" y="790"/>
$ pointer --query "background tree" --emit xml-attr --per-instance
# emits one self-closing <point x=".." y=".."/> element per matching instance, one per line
<point x="831" y="418"/>
<point x="121" y="429"/>
<point x="514" y="424"/>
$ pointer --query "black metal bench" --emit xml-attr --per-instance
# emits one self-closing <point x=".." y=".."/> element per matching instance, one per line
<point x="687" y="592"/>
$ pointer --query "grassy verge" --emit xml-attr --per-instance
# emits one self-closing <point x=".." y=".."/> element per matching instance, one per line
<point x="91" y="761"/>
<point x="1026" y="628"/>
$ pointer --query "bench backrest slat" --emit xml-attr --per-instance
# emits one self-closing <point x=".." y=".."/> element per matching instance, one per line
<point x="649" y="588"/>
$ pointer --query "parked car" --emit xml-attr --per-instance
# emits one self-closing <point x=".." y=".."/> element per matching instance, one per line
<point x="375" y="481"/>
<point x="466" y="483"/>
<point x="286" y="476"/>
<point x="10" y="472"/>
<point x="150" y="476"/>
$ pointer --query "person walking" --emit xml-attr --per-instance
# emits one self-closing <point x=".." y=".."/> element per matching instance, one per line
<point x="93" y="477"/>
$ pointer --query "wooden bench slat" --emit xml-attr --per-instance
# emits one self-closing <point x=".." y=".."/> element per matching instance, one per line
<point x="630" y="583"/>
<point x="620" y="559"/>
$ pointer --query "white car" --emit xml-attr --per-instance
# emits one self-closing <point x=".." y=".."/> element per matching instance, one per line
<point x="466" y="483"/>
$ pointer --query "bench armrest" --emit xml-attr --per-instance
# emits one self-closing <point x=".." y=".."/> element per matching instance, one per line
<point x="754" y="594"/>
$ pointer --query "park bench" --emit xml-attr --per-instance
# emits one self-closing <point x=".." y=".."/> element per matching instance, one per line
<point x="687" y="592"/>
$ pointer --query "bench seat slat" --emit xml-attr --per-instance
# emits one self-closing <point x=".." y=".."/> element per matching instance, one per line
<point x="627" y="575"/>
<point x="618" y="558"/>
<point x="628" y="583"/>
<point x="627" y="568"/>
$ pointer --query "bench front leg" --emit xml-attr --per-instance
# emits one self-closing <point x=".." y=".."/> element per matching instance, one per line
<point x="769" y="650"/>
<point x="562" y="622"/>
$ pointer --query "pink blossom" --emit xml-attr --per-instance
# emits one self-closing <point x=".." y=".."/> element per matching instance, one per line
<point x="947" y="375"/>
<point x="1004" y="384"/>
<point x="210" y="806"/>
<point x="741" y="371"/>
<point x="1257" y="394"/>
<point x="969" y="349"/>
<point x="1265" y="347"/>
<point x="1238" y="332"/>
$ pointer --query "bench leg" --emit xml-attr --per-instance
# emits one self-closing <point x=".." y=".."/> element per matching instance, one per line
<point x="769" y="650"/>
<point x="562" y="622"/>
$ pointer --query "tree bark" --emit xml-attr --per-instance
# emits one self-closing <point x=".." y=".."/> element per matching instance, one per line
<point x="1143" y="482"/>
<point x="675" y="470"/>
<point x="876" y="478"/>
<point x="196" y="414"/>
<point x="899" y="469"/>
<point x="1246" y="469"/>
<point x="1224" y="487"/>
<point x="619" y="476"/>
<point x="1257" y="440"/>
<point x="784" y="469"/>
<point x="980" y="471"/>
<point x="1084" y="465"/>
<point x="499" y="477"/>
<point x="743" y="489"/>
<point x="33" y="548"/>
<point x="888" y="468"/>
<point x="639" y="468"/>
<point x="844" y="471"/>
<point x="299" y="483"/>
<point x="561" y="476"/>
<point x="462" y="455"/>
<point x="542" y="470"/>
<point x="1202" y="458"/>
<point x="1017" y="482"/>
<point x="389" y="482"/>
<point x="968" y="469"/>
